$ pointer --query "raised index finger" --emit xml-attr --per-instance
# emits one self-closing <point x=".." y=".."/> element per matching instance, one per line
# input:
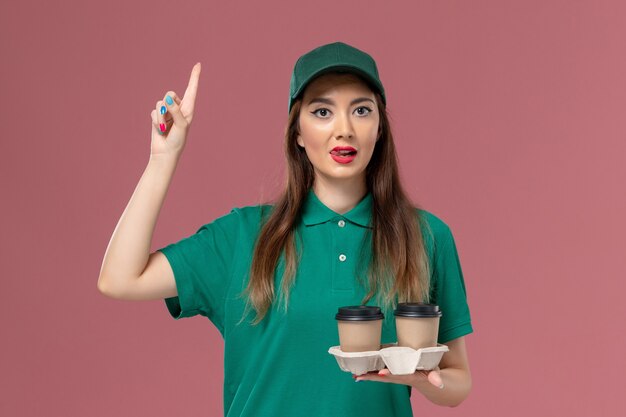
<point x="192" y="87"/>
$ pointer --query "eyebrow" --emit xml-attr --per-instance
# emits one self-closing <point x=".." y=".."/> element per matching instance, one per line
<point x="329" y="101"/>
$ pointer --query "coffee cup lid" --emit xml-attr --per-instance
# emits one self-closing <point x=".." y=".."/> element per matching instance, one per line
<point x="417" y="310"/>
<point x="359" y="313"/>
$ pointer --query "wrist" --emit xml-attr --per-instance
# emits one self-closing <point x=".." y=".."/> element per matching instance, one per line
<point x="164" y="159"/>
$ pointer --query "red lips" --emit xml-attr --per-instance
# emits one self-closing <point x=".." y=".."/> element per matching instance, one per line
<point x="343" y="154"/>
<point x="343" y="150"/>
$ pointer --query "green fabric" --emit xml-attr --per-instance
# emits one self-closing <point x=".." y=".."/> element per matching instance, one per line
<point x="336" y="56"/>
<point x="282" y="366"/>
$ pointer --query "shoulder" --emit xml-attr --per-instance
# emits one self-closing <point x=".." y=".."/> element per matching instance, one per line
<point x="436" y="224"/>
<point x="254" y="213"/>
<point x="240" y="225"/>
<point x="243" y="218"/>
<point x="435" y="230"/>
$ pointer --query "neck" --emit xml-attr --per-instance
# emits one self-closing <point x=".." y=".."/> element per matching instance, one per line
<point x="340" y="196"/>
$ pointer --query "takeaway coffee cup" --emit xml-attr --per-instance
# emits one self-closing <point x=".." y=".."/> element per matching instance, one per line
<point x="417" y="324"/>
<point x="360" y="328"/>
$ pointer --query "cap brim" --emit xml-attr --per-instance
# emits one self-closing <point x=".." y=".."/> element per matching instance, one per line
<point x="339" y="68"/>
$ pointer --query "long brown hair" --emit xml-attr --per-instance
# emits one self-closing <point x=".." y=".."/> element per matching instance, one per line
<point x="399" y="265"/>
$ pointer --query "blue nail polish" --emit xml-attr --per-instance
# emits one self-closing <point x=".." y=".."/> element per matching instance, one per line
<point x="169" y="100"/>
<point x="163" y="109"/>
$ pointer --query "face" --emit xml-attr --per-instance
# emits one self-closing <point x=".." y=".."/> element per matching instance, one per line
<point x="338" y="127"/>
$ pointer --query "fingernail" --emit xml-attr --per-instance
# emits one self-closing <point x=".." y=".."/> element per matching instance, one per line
<point x="357" y="380"/>
<point x="163" y="109"/>
<point x="162" y="127"/>
<point x="169" y="100"/>
<point x="441" y="386"/>
<point x="379" y="374"/>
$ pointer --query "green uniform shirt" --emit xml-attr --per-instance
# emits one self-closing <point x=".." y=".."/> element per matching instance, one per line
<point x="282" y="367"/>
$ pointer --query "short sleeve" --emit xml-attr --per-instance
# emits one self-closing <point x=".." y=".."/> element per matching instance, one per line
<point x="448" y="290"/>
<point x="201" y="265"/>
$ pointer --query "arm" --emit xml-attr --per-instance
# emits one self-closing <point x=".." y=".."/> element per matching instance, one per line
<point x="128" y="252"/>
<point x="128" y="270"/>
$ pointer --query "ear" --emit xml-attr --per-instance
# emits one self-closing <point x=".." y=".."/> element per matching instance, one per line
<point x="300" y="141"/>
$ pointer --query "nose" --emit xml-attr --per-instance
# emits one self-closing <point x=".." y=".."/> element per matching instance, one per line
<point x="343" y="127"/>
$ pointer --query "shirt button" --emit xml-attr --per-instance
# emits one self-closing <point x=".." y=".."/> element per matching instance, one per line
<point x="341" y="223"/>
<point x="342" y="257"/>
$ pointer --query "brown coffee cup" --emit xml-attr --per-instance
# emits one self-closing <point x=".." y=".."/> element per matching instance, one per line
<point x="360" y="328"/>
<point x="417" y="324"/>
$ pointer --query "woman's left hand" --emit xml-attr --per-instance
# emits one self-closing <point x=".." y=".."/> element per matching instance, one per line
<point x="433" y="376"/>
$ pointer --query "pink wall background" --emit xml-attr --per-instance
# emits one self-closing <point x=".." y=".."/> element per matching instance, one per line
<point x="509" y="120"/>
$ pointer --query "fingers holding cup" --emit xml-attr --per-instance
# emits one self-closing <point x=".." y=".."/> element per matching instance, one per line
<point x="434" y="377"/>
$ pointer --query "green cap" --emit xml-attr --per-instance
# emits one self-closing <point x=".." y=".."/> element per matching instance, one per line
<point x="336" y="56"/>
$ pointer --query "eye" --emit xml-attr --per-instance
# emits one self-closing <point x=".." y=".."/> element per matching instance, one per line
<point x="321" y="110"/>
<point x="368" y="110"/>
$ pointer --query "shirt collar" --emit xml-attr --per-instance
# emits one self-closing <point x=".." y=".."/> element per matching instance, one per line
<point x="315" y="212"/>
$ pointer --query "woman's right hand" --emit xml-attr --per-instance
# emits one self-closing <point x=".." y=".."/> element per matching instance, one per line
<point x="172" y="118"/>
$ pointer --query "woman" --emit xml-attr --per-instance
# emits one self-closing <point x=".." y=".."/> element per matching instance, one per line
<point x="271" y="277"/>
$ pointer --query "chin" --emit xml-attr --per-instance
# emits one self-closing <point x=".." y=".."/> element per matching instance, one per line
<point x="345" y="174"/>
